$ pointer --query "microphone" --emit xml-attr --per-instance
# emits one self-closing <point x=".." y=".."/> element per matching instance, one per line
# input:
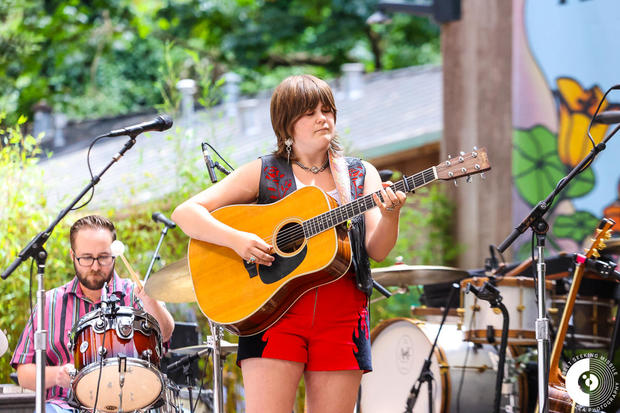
<point x="160" y="123"/>
<point x="209" y="162"/>
<point x="159" y="217"/>
<point x="608" y="118"/>
<point x="605" y="269"/>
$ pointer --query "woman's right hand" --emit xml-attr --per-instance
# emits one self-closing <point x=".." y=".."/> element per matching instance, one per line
<point x="253" y="249"/>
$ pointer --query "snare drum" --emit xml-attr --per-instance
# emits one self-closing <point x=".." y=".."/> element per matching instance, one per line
<point x="592" y="320"/>
<point x="464" y="373"/>
<point x="519" y="297"/>
<point x="131" y="354"/>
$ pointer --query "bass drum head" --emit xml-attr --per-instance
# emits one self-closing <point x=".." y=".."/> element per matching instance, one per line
<point x="464" y="373"/>
<point x="398" y="350"/>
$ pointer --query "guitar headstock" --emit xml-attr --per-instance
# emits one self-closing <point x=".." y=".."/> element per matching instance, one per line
<point x="466" y="164"/>
<point x="603" y="233"/>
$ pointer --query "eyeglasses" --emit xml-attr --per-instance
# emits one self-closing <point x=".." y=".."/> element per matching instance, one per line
<point x="103" y="260"/>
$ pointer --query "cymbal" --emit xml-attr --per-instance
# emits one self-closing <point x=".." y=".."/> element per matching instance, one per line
<point x="402" y="275"/>
<point x="225" y="348"/>
<point x="612" y="246"/>
<point x="4" y="343"/>
<point x="171" y="284"/>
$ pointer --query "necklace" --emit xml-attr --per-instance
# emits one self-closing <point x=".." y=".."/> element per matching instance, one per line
<point x="314" y="169"/>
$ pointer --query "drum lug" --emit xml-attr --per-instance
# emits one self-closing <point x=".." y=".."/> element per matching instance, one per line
<point x="102" y="351"/>
<point x="99" y="326"/>
<point x="146" y="354"/>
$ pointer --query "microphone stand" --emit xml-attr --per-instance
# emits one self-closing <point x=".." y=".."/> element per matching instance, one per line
<point x="426" y="375"/>
<point x="535" y="220"/>
<point x="489" y="293"/>
<point x="156" y="256"/>
<point x="35" y="250"/>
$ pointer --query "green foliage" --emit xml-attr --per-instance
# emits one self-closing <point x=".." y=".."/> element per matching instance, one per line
<point x="93" y="59"/>
<point x="23" y="214"/>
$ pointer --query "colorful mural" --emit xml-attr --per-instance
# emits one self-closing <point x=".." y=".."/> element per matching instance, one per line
<point x="564" y="60"/>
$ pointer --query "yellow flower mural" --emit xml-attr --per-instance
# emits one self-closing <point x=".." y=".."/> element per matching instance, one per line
<point x="576" y="107"/>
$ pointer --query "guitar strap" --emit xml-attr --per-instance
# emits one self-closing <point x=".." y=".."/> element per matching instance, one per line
<point x="340" y="172"/>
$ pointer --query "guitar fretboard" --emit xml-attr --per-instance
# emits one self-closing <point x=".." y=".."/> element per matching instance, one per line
<point x="337" y="216"/>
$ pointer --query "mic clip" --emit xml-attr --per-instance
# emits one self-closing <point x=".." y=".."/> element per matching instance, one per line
<point x="488" y="292"/>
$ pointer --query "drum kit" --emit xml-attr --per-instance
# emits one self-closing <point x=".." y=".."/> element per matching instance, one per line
<point x="464" y="362"/>
<point x="118" y="354"/>
<point x="118" y="350"/>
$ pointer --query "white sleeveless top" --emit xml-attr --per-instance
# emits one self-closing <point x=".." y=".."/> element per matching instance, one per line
<point x="333" y="193"/>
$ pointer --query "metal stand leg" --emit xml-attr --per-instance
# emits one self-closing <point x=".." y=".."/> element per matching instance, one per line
<point x="542" y="327"/>
<point x="216" y="334"/>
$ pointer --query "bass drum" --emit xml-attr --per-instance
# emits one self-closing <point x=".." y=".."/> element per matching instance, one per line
<point x="464" y="373"/>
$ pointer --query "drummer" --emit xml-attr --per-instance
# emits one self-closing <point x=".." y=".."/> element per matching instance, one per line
<point x="90" y="238"/>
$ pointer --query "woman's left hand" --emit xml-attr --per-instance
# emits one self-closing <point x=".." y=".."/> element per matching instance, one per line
<point x="393" y="201"/>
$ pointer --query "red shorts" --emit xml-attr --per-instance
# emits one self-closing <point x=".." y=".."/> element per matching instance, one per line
<point x="326" y="329"/>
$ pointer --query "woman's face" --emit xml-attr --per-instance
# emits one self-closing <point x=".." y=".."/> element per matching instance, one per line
<point x="315" y="129"/>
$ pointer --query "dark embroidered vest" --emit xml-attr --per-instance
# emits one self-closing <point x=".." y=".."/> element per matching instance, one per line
<point x="277" y="181"/>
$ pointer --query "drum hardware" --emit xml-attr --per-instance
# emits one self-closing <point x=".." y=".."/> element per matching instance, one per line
<point x="489" y="293"/>
<point x="518" y="296"/>
<point x="401" y="275"/>
<point x="426" y="376"/>
<point x="400" y="290"/>
<point x="185" y="363"/>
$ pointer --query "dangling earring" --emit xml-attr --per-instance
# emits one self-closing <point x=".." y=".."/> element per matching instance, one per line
<point x="289" y="144"/>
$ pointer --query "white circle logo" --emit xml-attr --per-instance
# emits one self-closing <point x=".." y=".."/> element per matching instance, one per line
<point x="591" y="380"/>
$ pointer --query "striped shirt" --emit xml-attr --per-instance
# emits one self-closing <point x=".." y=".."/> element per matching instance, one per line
<point x="64" y="306"/>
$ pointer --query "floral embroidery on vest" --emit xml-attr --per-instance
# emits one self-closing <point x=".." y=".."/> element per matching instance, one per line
<point x="356" y="173"/>
<point x="278" y="190"/>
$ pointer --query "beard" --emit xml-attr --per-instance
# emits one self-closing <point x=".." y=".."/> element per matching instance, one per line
<point x="93" y="280"/>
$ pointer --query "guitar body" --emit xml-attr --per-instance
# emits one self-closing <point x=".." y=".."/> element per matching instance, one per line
<point x="559" y="400"/>
<point x="247" y="298"/>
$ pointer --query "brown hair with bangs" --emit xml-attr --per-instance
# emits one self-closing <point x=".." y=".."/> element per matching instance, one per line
<point x="295" y="96"/>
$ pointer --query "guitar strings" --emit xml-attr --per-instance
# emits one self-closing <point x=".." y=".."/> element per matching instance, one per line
<point x="290" y="235"/>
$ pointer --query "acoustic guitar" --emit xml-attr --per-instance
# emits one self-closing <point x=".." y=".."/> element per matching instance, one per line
<point x="311" y="248"/>
<point x="559" y="400"/>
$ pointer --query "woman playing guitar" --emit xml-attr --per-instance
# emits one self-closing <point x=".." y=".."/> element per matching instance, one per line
<point x="324" y="335"/>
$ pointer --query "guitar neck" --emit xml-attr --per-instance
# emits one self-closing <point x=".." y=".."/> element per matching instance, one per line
<point x="555" y="375"/>
<point x="345" y="212"/>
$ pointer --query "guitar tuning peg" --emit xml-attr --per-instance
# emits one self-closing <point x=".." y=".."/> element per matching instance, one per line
<point x="483" y="176"/>
<point x="602" y="245"/>
<point x="468" y="179"/>
<point x="595" y="254"/>
<point x="449" y="156"/>
<point x="475" y="148"/>
<point x="462" y="153"/>
<point x="455" y="183"/>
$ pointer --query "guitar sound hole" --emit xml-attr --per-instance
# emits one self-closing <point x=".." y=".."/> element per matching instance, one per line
<point x="290" y="237"/>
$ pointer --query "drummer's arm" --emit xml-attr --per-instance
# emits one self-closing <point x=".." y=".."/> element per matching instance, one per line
<point x="161" y="314"/>
<point x="54" y="376"/>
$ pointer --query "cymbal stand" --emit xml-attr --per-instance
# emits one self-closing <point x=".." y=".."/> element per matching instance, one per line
<point x="426" y="375"/>
<point x="218" y="393"/>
